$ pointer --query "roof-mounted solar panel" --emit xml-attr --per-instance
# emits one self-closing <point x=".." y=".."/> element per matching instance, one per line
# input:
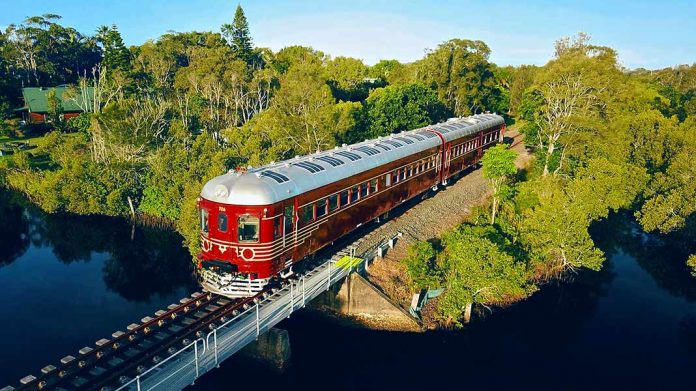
<point x="331" y="160"/>
<point x="367" y="150"/>
<point x="311" y="167"/>
<point x="350" y="155"/>
<point x="393" y="143"/>
<point x="427" y="134"/>
<point x="404" y="140"/>
<point x="280" y="178"/>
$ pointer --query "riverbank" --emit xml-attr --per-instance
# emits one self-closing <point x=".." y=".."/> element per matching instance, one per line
<point x="428" y="220"/>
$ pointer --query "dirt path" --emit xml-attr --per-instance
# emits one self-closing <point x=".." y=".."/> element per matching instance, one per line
<point x="426" y="220"/>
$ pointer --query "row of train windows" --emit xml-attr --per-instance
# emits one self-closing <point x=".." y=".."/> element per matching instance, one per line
<point x="336" y="201"/>
<point x="490" y="137"/>
<point x="463" y="148"/>
<point x="403" y="173"/>
<point x="247" y="226"/>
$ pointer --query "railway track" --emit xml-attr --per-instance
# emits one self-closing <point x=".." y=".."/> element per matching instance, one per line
<point x="112" y="362"/>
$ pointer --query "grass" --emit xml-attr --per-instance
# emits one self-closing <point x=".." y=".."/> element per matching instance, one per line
<point x="39" y="159"/>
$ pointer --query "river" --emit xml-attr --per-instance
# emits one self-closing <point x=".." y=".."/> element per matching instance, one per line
<point x="67" y="281"/>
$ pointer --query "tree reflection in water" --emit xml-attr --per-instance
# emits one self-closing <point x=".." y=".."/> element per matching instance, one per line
<point x="141" y="261"/>
<point x="14" y="229"/>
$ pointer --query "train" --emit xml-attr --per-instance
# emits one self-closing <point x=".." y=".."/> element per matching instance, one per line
<point x="256" y="224"/>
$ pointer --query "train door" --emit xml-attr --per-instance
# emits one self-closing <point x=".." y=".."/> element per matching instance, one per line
<point x="446" y="155"/>
<point x="479" y="149"/>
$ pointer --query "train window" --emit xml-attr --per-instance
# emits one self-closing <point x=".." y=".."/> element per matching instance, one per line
<point x="354" y="194"/>
<point x="363" y="190"/>
<point x="276" y="228"/>
<point x="248" y="228"/>
<point x="204" y="220"/>
<point x="288" y="217"/>
<point x="387" y="179"/>
<point x="333" y="202"/>
<point x="344" y="198"/>
<point x="415" y="168"/>
<point x="307" y="214"/>
<point x="222" y="222"/>
<point x="402" y="174"/>
<point x="409" y="171"/>
<point x="321" y="207"/>
<point x="395" y="176"/>
<point x="373" y="186"/>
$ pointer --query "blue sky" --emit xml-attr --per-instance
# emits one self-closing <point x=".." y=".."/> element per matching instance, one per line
<point x="645" y="33"/>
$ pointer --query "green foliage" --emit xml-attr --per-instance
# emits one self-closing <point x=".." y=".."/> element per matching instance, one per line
<point x="459" y="71"/>
<point x="691" y="263"/>
<point x="397" y="108"/>
<point x="346" y="77"/>
<point x="421" y="267"/>
<point x="238" y="36"/>
<point x="81" y="123"/>
<point x="478" y="270"/>
<point x="116" y="55"/>
<point x="498" y="166"/>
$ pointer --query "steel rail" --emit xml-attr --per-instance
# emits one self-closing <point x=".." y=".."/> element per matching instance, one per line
<point x="88" y="357"/>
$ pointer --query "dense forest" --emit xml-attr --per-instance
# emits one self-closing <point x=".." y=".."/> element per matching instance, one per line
<point x="163" y="117"/>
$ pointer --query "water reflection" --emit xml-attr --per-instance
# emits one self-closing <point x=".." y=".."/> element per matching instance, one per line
<point x="67" y="281"/>
<point x="141" y="261"/>
<point x="14" y="230"/>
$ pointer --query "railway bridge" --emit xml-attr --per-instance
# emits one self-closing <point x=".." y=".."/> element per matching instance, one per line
<point x="170" y="350"/>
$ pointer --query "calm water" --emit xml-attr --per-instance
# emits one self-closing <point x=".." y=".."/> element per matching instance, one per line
<point x="66" y="282"/>
<point x="630" y="326"/>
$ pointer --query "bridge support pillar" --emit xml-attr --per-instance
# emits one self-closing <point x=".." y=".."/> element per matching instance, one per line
<point x="359" y="300"/>
<point x="271" y="348"/>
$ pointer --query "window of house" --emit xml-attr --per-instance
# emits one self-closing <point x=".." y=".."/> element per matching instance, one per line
<point x="321" y="207"/>
<point x="333" y="202"/>
<point x="248" y="228"/>
<point x="373" y="186"/>
<point x="222" y="222"/>
<point x="204" y="220"/>
<point x="363" y="190"/>
<point x="344" y="197"/>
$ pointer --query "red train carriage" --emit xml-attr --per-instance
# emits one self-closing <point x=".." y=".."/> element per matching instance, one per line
<point x="256" y="225"/>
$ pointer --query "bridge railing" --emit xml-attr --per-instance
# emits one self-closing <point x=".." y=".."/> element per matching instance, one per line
<point x="207" y="352"/>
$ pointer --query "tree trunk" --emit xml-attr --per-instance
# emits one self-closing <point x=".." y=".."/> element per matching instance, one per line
<point x="495" y="210"/>
<point x="467" y="313"/>
<point x="549" y="153"/>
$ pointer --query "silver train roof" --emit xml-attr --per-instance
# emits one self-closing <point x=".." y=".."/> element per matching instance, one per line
<point x="275" y="182"/>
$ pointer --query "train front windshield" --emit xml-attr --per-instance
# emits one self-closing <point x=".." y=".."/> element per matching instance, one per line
<point x="248" y="228"/>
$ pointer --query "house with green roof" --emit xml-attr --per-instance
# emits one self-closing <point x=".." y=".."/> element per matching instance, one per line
<point x="36" y="107"/>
